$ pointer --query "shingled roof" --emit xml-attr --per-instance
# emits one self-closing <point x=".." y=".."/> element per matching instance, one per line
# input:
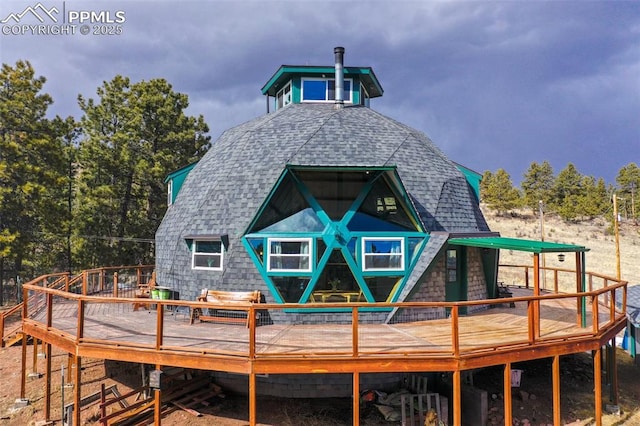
<point x="225" y="190"/>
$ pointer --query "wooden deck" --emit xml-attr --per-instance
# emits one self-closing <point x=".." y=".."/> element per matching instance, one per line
<point x="112" y="329"/>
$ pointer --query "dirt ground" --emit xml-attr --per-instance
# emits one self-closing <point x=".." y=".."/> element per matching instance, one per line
<point x="532" y="401"/>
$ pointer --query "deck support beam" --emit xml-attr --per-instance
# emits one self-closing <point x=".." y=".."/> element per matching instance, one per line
<point x="252" y="399"/>
<point x="23" y="376"/>
<point x="536" y="292"/>
<point x="457" y="399"/>
<point x="77" y="394"/>
<point x="613" y="373"/>
<point x="157" y="402"/>
<point x="34" y="365"/>
<point x="356" y="398"/>
<point x="47" y="383"/>
<point x="508" y="403"/>
<point x="557" y="419"/>
<point x="597" y="384"/>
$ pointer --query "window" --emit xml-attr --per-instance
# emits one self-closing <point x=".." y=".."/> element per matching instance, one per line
<point x="452" y="266"/>
<point x="322" y="90"/>
<point x="364" y="96"/>
<point x="289" y="255"/>
<point x="170" y="193"/>
<point x="383" y="254"/>
<point x="283" y="97"/>
<point x="207" y="255"/>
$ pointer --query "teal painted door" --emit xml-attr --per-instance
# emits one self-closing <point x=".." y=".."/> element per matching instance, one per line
<point x="456" y="277"/>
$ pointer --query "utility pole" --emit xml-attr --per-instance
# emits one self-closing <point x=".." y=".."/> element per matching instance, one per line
<point x="544" y="270"/>
<point x="617" y="234"/>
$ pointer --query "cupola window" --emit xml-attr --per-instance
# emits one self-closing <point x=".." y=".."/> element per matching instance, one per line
<point x="283" y="98"/>
<point x="321" y="90"/>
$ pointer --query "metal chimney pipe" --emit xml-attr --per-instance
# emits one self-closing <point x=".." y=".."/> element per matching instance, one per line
<point x="339" y="78"/>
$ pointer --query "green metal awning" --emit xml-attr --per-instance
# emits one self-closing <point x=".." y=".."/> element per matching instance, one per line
<point x="517" y="244"/>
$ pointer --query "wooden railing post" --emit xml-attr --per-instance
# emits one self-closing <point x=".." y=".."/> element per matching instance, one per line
<point x="455" y="331"/>
<point x="526" y="277"/>
<point x="115" y="284"/>
<point x="1" y="330"/>
<point x="594" y="314"/>
<point x="80" y="329"/>
<point x="252" y="333"/>
<point x="84" y="282"/>
<point x="530" y="321"/>
<point x="354" y="332"/>
<point x="159" y="325"/>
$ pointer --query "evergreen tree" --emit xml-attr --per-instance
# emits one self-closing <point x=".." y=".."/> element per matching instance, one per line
<point x="537" y="185"/>
<point x="498" y="191"/>
<point x="628" y="181"/>
<point x="29" y="171"/>
<point x="568" y="193"/>
<point x="594" y="200"/>
<point x="134" y="135"/>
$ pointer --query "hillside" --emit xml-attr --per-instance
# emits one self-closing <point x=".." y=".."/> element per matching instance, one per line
<point x="595" y="235"/>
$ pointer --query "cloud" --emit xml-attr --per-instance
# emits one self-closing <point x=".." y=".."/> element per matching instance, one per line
<point x="494" y="84"/>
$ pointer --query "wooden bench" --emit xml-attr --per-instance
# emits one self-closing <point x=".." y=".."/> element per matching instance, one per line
<point x="226" y="298"/>
<point x="144" y="292"/>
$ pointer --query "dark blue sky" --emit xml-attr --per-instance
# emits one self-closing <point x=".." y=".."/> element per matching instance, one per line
<point x="493" y="84"/>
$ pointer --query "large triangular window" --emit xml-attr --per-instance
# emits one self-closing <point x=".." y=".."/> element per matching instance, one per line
<point x="327" y="235"/>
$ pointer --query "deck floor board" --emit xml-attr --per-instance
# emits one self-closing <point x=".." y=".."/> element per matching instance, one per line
<point x="118" y="323"/>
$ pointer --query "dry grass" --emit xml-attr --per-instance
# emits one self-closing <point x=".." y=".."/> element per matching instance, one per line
<point x="596" y="235"/>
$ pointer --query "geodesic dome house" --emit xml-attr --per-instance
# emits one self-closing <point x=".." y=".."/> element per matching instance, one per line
<point x="324" y="200"/>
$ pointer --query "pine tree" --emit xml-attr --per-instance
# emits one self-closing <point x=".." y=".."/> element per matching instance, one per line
<point x="628" y="181"/>
<point x="498" y="192"/>
<point x="134" y="135"/>
<point x="537" y="185"/>
<point x="568" y="193"/>
<point x="29" y="171"/>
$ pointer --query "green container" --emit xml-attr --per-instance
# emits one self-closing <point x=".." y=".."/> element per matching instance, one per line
<point x="155" y="293"/>
<point x="164" y="294"/>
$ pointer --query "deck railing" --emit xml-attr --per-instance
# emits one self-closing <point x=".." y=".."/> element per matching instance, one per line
<point x="87" y="282"/>
<point x="79" y="319"/>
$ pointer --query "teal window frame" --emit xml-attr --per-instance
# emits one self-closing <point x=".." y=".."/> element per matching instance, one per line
<point x="336" y="235"/>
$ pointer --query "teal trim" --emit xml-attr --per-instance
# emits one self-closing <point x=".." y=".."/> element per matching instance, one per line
<point x="177" y="178"/>
<point x="181" y="171"/>
<point x="333" y="310"/>
<point x="532" y="246"/>
<point x="287" y="72"/>
<point x="396" y="184"/>
<point x="583" y="289"/>
<point x="412" y="265"/>
<point x="265" y="203"/>
<point x="262" y="270"/>
<point x="473" y="179"/>
<point x="337" y="236"/>
<point x="296" y="90"/>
